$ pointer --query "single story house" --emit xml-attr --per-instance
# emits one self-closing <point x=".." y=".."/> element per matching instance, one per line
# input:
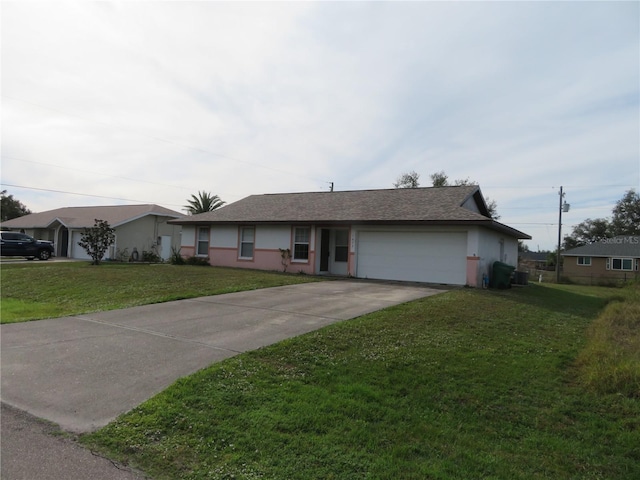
<point x="435" y="235"/>
<point x="139" y="227"/>
<point x="609" y="260"/>
<point x="533" y="260"/>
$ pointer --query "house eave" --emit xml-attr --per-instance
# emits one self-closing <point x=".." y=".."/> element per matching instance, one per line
<point x="488" y="223"/>
<point x="599" y="255"/>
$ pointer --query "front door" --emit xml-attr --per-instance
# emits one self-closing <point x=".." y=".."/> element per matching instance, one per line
<point x="325" y="239"/>
<point x="339" y="252"/>
<point x="63" y="242"/>
<point x="165" y="247"/>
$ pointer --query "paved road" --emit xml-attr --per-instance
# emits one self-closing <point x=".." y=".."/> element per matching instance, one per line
<point x="81" y="372"/>
<point x="33" y="449"/>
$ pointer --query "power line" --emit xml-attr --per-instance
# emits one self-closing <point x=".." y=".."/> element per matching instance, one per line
<point x="530" y="223"/>
<point x="85" y="194"/>
<point x="96" y="173"/>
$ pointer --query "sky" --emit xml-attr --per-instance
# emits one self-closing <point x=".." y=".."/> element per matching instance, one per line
<point x="108" y="103"/>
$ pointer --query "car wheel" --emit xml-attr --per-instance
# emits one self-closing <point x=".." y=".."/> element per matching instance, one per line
<point x="44" y="254"/>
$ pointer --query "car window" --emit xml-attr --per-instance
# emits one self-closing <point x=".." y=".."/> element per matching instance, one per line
<point x="10" y="236"/>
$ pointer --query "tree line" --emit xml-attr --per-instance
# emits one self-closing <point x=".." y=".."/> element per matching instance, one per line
<point x="625" y="220"/>
<point x="441" y="179"/>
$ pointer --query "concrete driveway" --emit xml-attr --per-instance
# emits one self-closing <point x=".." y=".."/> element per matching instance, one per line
<point x="82" y="372"/>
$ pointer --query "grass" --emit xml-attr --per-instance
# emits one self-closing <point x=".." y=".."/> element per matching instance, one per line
<point x="465" y="384"/>
<point x="36" y="291"/>
<point x="610" y="361"/>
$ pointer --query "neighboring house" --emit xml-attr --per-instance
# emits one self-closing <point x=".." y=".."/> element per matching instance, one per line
<point x="533" y="260"/>
<point x="610" y="260"/>
<point x="435" y="235"/>
<point x="140" y="227"/>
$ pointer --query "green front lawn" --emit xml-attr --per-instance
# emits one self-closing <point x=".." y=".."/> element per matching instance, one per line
<point x="467" y="384"/>
<point x="37" y="291"/>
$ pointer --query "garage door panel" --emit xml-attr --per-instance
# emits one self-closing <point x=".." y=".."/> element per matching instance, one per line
<point x="413" y="256"/>
<point x="76" y="250"/>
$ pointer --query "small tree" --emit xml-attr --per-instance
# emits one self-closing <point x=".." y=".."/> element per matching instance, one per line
<point x="97" y="239"/>
<point x="408" y="180"/>
<point x="439" y="179"/>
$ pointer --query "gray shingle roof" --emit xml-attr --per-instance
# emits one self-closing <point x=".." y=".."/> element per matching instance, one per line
<point x="80" y="217"/>
<point x="534" y="256"/>
<point x="621" y="246"/>
<point x="443" y="205"/>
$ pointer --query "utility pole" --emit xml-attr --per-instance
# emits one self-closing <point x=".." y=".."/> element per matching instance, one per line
<point x="563" y="207"/>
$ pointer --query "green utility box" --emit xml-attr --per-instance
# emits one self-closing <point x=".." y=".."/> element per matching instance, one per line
<point x="502" y="274"/>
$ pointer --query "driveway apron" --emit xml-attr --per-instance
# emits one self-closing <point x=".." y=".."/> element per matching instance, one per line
<point x="81" y="372"/>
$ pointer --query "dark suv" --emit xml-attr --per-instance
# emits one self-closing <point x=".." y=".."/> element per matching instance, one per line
<point x="15" y="244"/>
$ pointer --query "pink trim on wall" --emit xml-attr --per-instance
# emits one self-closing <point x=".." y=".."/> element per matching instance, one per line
<point x="473" y="264"/>
<point x="263" y="259"/>
<point x="223" y="256"/>
<point x="187" y="251"/>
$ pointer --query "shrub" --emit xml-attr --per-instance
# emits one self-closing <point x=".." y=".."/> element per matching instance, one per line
<point x="199" y="261"/>
<point x="122" y="255"/>
<point x="285" y="253"/>
<point x="97" y="239"/>
<point x="176" y="257"/>
<point x="151" y="257"/>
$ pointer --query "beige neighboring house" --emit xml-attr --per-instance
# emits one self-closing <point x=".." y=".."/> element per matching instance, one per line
<point x="137" y="227"/>
<point x="611" y="260"/>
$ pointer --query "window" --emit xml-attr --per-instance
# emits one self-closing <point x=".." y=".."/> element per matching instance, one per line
<point x="620" y="264"/>
<point x="202" y="248"/>
<point x="584" y="261"/>
<point x="247" y="235"/>
<point x="301" y="243"/>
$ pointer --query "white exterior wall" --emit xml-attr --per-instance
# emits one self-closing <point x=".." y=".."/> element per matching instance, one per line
<point x="188" y="236"/>
<point x="490" y="245"/>
<point x="471" y="205"/>
<point x="223" y="236"/>
<point x="273" y="237"/>
<point x="142" y="234"/>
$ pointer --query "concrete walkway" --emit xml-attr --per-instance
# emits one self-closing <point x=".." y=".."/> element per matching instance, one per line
<point x="82" y="372"/>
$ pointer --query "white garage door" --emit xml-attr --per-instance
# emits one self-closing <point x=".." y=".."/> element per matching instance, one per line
<point x="413" y="256"/>
<point x="76" y="250"/>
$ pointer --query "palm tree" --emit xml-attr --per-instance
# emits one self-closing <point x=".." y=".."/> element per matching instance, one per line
<point x="202" y="203"/>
